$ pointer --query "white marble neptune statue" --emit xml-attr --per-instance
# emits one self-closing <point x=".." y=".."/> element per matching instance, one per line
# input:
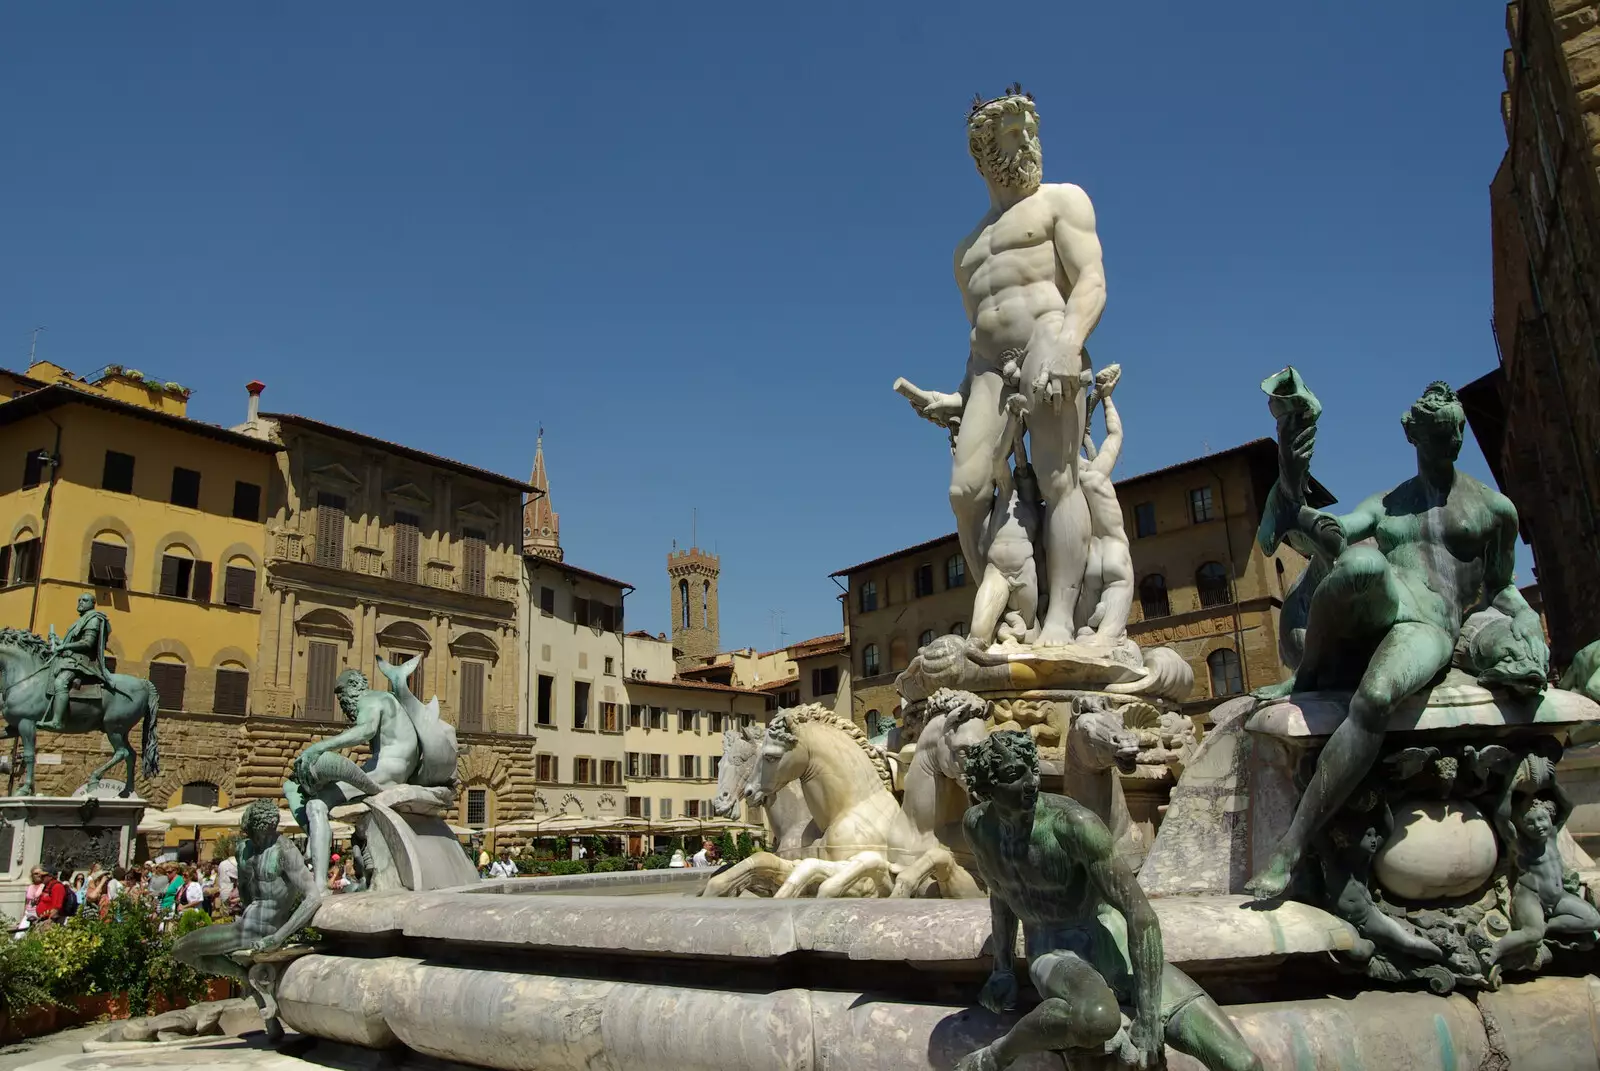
<point x="1033" y="285"/>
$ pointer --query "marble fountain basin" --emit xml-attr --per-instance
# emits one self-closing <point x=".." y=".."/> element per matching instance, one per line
<point x="626" y="971"/>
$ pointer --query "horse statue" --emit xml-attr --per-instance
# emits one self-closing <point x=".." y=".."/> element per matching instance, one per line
<point x="787" y="813"/>
<point x="1099" y="746"/>
<point x="124" y="701"/>
<point x="936" y="797"/>
<point x="868" y="846"/>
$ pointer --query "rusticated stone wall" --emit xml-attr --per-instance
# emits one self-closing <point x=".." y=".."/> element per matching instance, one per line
<point x="250" y="759"/>
<point x="1538" y="415"/>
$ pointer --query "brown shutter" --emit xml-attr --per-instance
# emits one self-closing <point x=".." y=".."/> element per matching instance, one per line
<point x="330" y="531"/>
<point x="202" y="582"/>
<point x="473" y="557"/>
<point x="169" y="678"/>
<point x="472" y="696"/>
<point x="233" y="692"/>
<point x="322" y="670"/>
<point x="239" y="586"/>
<point x="106" y="565"/>
<point x="169" y="574"/>
<point x="407" y="546"/>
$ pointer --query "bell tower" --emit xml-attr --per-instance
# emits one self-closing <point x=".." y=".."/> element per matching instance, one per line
<point x="541" y="527"/>
<point x="693" y="576"/>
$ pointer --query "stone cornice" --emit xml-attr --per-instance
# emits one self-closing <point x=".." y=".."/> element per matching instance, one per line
<point x="302" y="577"/>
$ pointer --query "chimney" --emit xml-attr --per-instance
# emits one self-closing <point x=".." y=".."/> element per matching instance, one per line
<point x="255" y="387"/>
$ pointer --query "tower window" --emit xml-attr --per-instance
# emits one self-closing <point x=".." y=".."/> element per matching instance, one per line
<point x="705" y="604"/>
<point x="683" y="601"/>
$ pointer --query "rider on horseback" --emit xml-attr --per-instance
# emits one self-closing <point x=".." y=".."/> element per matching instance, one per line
<point x="80" y="655"/>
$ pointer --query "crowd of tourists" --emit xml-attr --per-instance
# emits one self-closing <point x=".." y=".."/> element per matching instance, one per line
<point x="166" y="888"/>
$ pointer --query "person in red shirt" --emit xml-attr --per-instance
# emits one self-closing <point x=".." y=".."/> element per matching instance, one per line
<point x="51" y="899"/>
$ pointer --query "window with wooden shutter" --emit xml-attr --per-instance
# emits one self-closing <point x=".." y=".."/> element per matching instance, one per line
<point x="580" y="704"/>
<point x="580" y="612"/>
<point x="117" y="474"/>
<point x="186" y="488"/>
<point x="330" y="530"/>
<point x="107" y="565"/>
<point x="472" y="696"/>
<point x="176" y="574"/>
<point x="474" y="555"/>
<point x="547" y="601"/>
<point x="239" y="586"/>
<point x="233" y="691"/>
<point x="25" y="561"/>
<point x="33" y="467"/>
<point x="246" y="501"/>
<point x="5" y="566"/>
<point x="407" y="546"/>
<point x="169" y="679"/>
<point x="322" y="672"/>
<point x="201" y="590"/>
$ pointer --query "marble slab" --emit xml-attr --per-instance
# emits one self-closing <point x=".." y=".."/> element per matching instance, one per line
<point x="1196" y="929"/>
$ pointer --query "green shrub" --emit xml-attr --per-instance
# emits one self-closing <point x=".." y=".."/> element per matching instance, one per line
<point x="562" y="867"/>
<point x="25" y="978"/>
<point x="609" y="865"/>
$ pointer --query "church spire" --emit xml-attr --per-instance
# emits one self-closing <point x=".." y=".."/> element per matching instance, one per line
<point x="541" y="525"/>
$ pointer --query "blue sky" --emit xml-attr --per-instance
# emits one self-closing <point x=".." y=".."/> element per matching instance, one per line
<point x="698" y="242"/>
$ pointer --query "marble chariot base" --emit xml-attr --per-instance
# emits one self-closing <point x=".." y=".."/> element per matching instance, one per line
<point x="624" y="972"/>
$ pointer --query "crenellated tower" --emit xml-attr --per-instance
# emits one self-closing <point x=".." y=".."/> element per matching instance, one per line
<point x="693" y="577"/>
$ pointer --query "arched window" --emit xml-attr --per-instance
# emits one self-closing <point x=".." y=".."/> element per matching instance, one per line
<point x="869" y="597"/>
<point x="897" y="654"/>
<point x="925" y="639"/>
<point x="955" y="571"/>
<point x="1211" y="581"/>
<point x="169" y="675"/>
<point x="1225" y="676"/>
<point x="870" y="666"/>
<point x="1153" y="596"/>
<point x="683" y="600"/>
<point x="232" y="695"/>
<point x="958" y="629"/>
<point x="705" y="604"/>
<point x="873" y="723"/>
<point x="199" y="794"/>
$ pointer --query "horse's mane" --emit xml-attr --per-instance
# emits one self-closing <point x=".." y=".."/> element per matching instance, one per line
<point x="783" y="723"/>
<point x="25" y="640"/>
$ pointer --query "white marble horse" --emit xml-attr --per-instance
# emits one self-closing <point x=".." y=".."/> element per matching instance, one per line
<point x="1098" y="748"/>
<point x="868" y="847"/>
<point x="935" y="789"/>
<point x="792" y="826"/>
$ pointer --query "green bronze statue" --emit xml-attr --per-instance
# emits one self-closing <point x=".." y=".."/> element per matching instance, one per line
<point x="407" y="742"/>
<point x="1093" y="943"/>
<point x="276" y="890"/>
<point x="77" y="657"/>
<point x="1390" y="586"/>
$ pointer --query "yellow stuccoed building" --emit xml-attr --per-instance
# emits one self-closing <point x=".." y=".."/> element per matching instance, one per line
<point x="107" y="487"/>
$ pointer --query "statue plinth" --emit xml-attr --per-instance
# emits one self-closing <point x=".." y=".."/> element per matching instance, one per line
<point x="62" y="833"/>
